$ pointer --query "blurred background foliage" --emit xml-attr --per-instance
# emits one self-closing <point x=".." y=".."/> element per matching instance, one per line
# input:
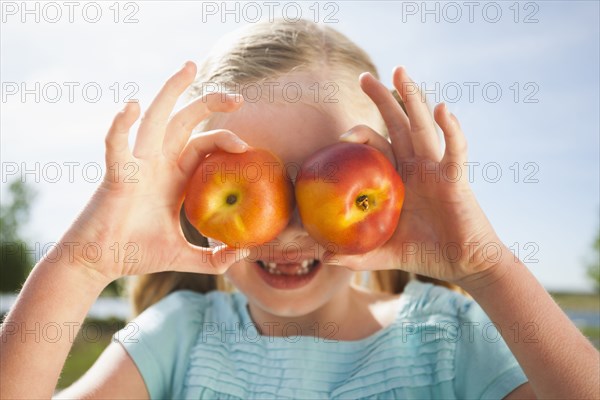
<point x="18" y="253"/>
<point x="16" y="261"/>
<point x="593" y="269"/>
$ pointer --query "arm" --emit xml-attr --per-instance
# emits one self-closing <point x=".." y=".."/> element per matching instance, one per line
<point x="525" y="391"/>
<point x="558" y="360"/>
<point x="443" y="233"/>
<point x="62" y="287"/>
<point x="113" y="375"/>
<point x="57" y="296"/>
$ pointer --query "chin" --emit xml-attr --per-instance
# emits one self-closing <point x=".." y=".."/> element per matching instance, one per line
<point x="283" y="307"/>
<point x="299" y="298"/>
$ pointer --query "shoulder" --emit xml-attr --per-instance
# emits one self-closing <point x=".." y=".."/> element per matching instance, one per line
<point x="194" y="305"/>
<point x="185" y="300"/>
<point x="181" y="314"/>
<point x="160" y="339"/>
<point x="175" y="307"/>
<point x="482" y="364"/>
<point x="421" y="299"/>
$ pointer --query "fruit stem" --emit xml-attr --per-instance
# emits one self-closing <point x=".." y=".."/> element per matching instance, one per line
<point x="363" y="202"/>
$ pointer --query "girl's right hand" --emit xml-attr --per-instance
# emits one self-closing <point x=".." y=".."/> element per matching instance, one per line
<point x="131" y="226"/>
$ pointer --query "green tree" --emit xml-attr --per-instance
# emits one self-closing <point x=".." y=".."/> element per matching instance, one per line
<point x="16" y="261"/>
<point x="593" y="270"/>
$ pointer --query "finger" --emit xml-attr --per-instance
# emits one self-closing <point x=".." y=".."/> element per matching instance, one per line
<point x="456" y="143"/>
<point x="350" y="262"/>
<point x="393" y="115"/>
<point x="117" y="138"/>
<point x="425" y="140"/>
<point x="208" y="261"/>
<point x="371" y="261"/>
<point x="207" y="142"/>
<point x="365" y="135"/>
<point x="152" y="126"/>
<point x="179" y="128"/>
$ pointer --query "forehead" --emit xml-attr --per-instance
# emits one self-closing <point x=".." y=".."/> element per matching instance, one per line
<point x="293" y="131"/>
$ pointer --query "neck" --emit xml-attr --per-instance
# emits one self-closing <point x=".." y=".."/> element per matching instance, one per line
<point x="326" y="322"/>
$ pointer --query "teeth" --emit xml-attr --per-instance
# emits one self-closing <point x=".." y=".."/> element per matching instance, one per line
<point x="272" y="268"/>
<point x="305" y="266"/>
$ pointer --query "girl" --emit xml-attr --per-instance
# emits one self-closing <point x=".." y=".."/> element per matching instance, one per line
<point x="324" y="336"/>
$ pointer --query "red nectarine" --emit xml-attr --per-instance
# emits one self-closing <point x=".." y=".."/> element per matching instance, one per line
<point x="349" y="197"/>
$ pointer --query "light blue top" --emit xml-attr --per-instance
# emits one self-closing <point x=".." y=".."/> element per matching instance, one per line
<point x="441" y="345"/>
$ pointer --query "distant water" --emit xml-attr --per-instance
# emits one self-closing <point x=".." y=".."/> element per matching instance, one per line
<point x="584" y="318"/>
<point x="103" y="308"/>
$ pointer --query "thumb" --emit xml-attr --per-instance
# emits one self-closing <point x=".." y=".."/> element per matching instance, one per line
<point x="374" y="260"/>
<point x="350" y="262"/>
<point x="205" y="260"/>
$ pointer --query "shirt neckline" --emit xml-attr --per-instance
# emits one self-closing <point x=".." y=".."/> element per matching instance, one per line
<point x="412" y="288"/>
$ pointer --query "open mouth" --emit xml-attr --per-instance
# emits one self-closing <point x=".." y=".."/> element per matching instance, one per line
<point x="301" y="268"/>
<point x="287" y="275"/>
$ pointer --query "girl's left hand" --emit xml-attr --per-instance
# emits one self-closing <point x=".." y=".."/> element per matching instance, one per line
<point x="443" y="232"/>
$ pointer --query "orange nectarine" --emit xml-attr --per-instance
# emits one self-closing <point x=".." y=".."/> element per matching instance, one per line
<point x="240" y="199"/>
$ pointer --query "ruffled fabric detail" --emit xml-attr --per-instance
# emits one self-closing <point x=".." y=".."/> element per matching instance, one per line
<point x="411" y="358"/>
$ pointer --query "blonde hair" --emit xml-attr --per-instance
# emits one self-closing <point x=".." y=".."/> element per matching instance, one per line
<point x="270" y="50"/>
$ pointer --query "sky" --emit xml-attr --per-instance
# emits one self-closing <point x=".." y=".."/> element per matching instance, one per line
<point x="522" y="77"/>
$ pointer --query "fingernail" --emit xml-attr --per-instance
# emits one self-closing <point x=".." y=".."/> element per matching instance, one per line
<point x="240" y="142"/>
<point x="214" y="243"/>
<point x="184" y="65"/>
<point x="244" y="253"/>
<point x="402" y="70"/>
<point x="348" y="136"/>
<point x="446" y="111"/>
<point x="448" y="114"/>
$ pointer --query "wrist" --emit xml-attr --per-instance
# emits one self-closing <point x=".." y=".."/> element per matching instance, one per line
<point x="77" y="271"/>
<point x="87" y="256"/>
<point x="494" y="274"/>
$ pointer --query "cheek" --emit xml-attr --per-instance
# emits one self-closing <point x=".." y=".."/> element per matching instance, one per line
<point x="240" y="275"/>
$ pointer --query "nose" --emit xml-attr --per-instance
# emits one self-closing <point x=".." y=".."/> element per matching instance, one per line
<point x="294" y="231"/>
